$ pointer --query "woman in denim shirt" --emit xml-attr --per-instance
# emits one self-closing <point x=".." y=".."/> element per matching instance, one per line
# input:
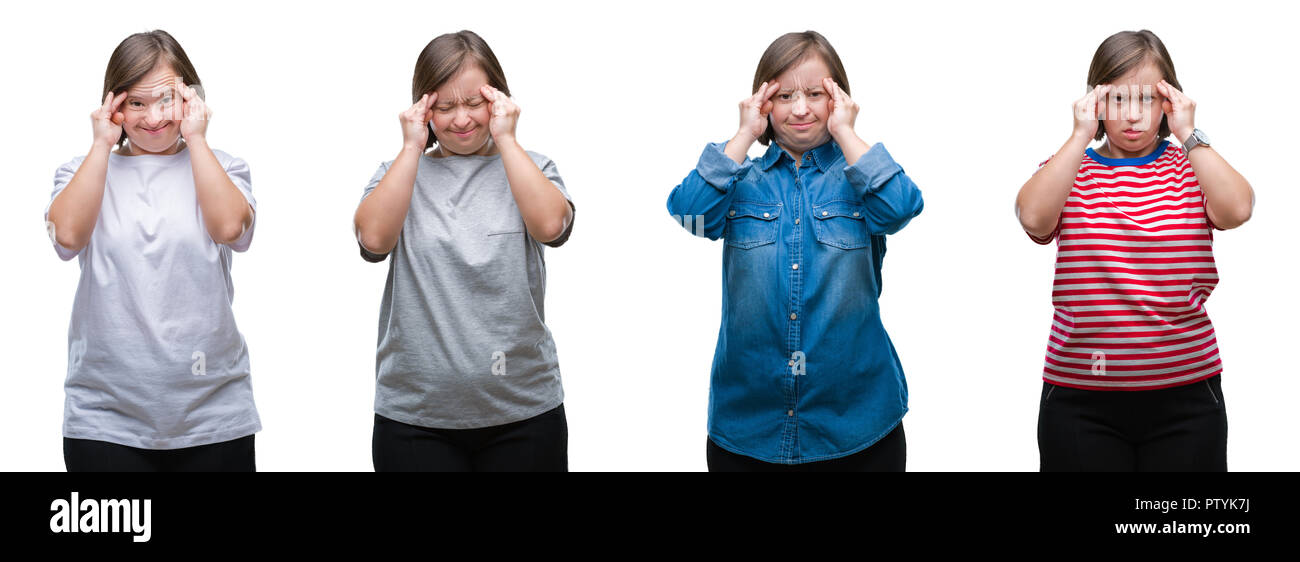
<point x="804" y="376"/>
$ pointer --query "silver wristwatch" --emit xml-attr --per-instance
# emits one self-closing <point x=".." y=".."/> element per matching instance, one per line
<point x="1198" y="138"/>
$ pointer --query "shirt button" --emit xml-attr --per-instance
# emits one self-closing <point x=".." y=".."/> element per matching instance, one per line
<point x="765" y="215"/>
<point x="789" y="412"/>
<point x="824" y="213"/>
<point x="793" y="316"/>
<point x="791" y="362"/>
<point x="795" y="266"/>
<point x="733" y="213"/>
<point x="856" y="214"/>
<point x="796" y="221"/>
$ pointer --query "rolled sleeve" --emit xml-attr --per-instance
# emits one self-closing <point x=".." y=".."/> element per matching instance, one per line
<point x="718" y="169"/>
<point x="873" y="169"/>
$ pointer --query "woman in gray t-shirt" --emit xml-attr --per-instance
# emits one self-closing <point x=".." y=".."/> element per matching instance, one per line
<point x="466" y="371"/>
<point x="158" y="373"/>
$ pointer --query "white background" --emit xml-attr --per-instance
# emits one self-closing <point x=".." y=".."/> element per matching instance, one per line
<point x="968" y="97"/>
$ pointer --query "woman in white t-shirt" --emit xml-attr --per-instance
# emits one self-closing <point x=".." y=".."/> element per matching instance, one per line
<point x="158" y="373"/>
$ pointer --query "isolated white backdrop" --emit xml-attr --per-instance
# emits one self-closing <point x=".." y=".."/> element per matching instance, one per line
<point x="969" y="97"/>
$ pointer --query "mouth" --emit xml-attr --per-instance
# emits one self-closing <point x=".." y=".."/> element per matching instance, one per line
<point x="465" y="134"/>
<point x="1133" y="134"/>
<point x="803" y="126"/>
<point x="156" y="131"/>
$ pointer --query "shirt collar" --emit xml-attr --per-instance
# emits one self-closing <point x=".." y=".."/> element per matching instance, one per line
<point x="822" y="156"/>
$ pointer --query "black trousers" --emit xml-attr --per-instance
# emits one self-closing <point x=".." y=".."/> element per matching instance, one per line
<point x="86" y="455"/>
<point x="537" y="444"/>
<point x="1183" y="428"/>
<point x="889" y="454"/>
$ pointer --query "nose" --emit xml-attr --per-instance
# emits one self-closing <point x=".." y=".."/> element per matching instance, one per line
<point x="461" y="119"/>
<point x="800" y="105"/>
<point x="155" y="115"/>
<point x="1135" y="104"/>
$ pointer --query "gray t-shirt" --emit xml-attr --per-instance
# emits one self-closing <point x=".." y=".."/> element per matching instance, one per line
<point x="462" y="336"/>
<point x="155" y="360"/>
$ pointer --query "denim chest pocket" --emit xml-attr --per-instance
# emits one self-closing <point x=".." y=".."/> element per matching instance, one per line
<point x="751" y="224"/>
<point x="842" y="224"/>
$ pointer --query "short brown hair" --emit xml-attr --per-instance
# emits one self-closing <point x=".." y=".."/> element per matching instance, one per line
<point x="137" y="56"/>
<point x="1123" y="52"/>
<point x="443" y="57"/>
<point x="789" y="50"/>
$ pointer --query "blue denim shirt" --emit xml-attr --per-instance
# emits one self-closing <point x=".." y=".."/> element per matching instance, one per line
<point x="804" y="370"/>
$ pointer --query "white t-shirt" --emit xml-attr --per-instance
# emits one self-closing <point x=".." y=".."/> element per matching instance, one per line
<point x="155" y="360"/>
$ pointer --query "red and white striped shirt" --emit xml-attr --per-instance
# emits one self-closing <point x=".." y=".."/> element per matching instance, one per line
<point x="1134" y="268"/>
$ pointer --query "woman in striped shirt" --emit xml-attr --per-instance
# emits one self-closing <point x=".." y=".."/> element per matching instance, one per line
<point x="1131" y="379"/>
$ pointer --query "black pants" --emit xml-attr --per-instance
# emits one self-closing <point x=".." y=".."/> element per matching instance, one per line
<point x="1183" y="428"/>
<point x="537" y="444"/>
<point x="889" y="454"/>
<point x="85" y="455"/>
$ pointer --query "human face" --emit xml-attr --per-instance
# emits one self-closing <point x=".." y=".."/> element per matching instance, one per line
<point x="461" y="114"/>
<point x="1133" y="112"/>
<point x="152" y="113"/>
<point x="801" y="106"/>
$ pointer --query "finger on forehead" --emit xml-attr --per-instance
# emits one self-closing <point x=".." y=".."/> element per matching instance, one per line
<point x="1175" y="91"/>
<point x="776" y="87"/>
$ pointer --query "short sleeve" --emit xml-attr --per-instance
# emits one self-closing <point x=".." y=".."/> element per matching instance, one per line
<point x="1183" y="161"/>
<point x="552" y="173"/>
<point x="62" y="177"/>
<point x="237" y="170"/>
<point x="375" y="179"/>
<point x="374" y="182"/>
<point x="1047" y="239"/>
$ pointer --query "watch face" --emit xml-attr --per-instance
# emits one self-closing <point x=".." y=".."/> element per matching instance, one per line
<point x="1201" y="137"/>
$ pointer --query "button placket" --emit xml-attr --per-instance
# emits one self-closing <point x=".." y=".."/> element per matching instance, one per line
<point x="797" y="203"/>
